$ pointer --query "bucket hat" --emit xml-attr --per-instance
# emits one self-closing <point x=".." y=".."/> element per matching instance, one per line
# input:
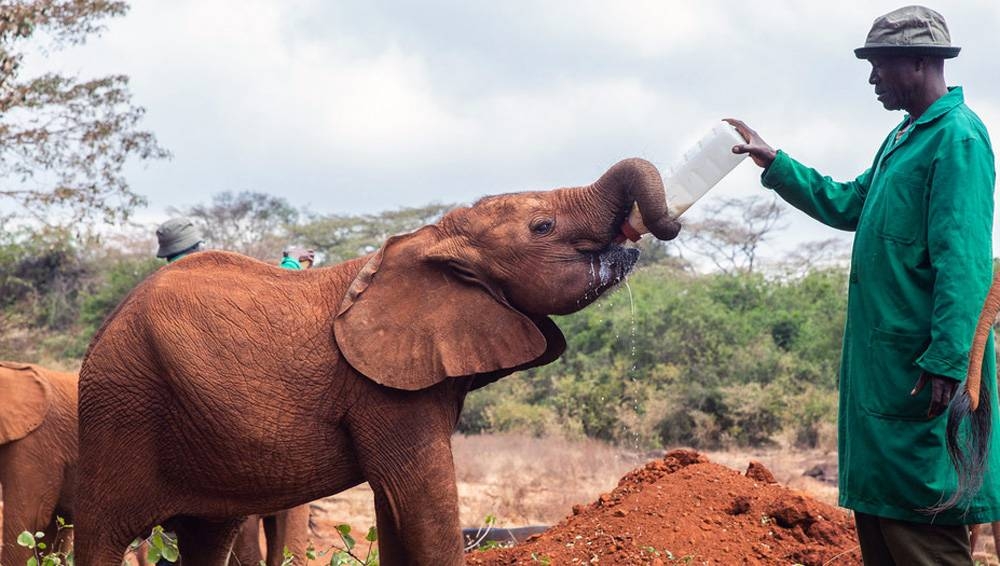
<point x="910" y="30"/>
<point x="175" y="236"/>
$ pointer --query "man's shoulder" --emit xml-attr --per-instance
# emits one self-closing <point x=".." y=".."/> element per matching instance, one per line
<point x="962" y="114"/>
<point x="962" y="123"/>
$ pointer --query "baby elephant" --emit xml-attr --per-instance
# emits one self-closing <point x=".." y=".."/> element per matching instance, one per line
<point x="38" y="453"/>
<point x="38" y="448"/>
<point x="249" y="371"/>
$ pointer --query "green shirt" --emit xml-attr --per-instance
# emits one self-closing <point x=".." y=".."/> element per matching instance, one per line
<point x="921" y="266"/>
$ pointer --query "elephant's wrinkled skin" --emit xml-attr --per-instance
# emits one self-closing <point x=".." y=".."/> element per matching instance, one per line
<point x="37" y="453"/>
<point x="267" y="388"/>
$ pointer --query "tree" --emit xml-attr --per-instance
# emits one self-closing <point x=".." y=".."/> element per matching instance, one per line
<point x="814" y="256"/>
<point x="340" y="237"/>
<point x="251" y="223"/>
<point x="732" y="245"/>
<point x="64" y="142"/>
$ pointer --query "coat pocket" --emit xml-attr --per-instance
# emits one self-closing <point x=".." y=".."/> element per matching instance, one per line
<point x="885" y="385"/>
<point x="902" y="208"/>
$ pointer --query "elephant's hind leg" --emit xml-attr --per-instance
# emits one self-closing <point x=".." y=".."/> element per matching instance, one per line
<point x="30" y="510"/>
<point x="246" y="549"/>
<point x="289" y="529"/>
<point x="99" y="550"/>
<point x="106" y="525"/>
<point x="205" y="542"/>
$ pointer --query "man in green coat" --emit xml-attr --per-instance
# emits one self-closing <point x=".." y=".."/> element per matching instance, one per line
<point x="921" y="266"/>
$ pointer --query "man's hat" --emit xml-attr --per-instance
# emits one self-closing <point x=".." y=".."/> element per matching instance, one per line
<point x="176" y="235"/>
<point x="910" y="30"/>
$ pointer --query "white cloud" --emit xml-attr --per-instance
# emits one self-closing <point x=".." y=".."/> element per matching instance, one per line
<point x="645" y="27"/>
<point x="367" y="105"/>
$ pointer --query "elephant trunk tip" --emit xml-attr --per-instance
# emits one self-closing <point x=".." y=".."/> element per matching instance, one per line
<point x="635" y="226"/>
<point x="635" y="182"/>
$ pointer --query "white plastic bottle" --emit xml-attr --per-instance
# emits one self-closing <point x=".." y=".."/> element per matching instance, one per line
<point x="700" y="169"/>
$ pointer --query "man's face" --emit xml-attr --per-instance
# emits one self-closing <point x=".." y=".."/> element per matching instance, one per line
<point x="896" y="79"/>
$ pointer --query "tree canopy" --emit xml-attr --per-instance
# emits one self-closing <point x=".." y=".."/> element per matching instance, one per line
<point x="248" y="222"/>
<point x="64" y="141"/>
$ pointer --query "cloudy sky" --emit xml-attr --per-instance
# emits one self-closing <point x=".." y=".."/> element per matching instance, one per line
<point x="364" y="106"/>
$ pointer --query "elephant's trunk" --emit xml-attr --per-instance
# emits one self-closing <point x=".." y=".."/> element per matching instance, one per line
<point x="638" y="181"/>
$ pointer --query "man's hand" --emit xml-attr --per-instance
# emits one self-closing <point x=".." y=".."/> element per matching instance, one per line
<point x="761" y="153"/>
<point x="942" y="389"/>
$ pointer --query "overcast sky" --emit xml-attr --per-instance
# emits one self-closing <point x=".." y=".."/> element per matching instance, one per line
<point x="364" y="106"/>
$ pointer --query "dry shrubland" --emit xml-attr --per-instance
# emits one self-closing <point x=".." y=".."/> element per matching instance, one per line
<point x="522" y="480"/>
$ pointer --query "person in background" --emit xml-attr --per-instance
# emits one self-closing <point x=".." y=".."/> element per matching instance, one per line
<point x="177" y="238"/>
<point x="297" y="257"/>
<point x="921" y="266"/>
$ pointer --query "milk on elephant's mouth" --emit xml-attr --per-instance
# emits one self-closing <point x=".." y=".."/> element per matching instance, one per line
<point x="610" y="268"/>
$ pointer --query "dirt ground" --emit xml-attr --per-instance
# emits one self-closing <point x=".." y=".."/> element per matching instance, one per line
<point x="770" y="506"/>
<point x="602" y="505"/>
<point x="684" y="507"/>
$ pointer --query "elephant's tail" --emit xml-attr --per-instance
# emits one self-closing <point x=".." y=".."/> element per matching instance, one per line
<point x="968" y="447"/>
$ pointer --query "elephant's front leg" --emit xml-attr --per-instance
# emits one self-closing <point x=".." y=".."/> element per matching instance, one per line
<point x="403" y="442"/>
<point x="416" y="508"/>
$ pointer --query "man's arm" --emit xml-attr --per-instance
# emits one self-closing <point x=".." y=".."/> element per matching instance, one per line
<point x="833" y="203"/>
<point x="959" y="243"/>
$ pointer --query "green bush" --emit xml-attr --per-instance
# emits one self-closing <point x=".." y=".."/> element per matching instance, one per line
<point x="720" y="359"/>
<point x="672" y="357"/>
<point x="41" y="277"/>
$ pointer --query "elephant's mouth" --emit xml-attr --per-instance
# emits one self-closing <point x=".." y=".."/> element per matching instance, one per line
<point x="620" y="228"/>
<point x="609" y="267"/>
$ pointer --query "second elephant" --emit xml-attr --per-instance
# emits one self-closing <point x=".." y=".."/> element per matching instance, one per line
<point x="288" y="529"/>
<point x="38" y="448"/>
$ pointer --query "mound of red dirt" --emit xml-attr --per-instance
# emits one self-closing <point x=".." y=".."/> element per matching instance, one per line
<point x="685" y="509"/>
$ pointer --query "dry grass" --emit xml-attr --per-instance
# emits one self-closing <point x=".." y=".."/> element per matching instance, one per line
<point x="522" y="480"/>
<point x="787" y="466"/>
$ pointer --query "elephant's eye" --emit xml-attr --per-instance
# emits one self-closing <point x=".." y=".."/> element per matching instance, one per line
<point x="542" y="227"/>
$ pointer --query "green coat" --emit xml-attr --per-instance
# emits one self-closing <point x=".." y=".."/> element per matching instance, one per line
<point x="921" y="266"/>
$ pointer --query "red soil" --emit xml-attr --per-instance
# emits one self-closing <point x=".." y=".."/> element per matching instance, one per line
<point x="685" y="509"/>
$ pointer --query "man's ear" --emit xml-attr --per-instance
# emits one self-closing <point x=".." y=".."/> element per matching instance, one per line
<point x="409" y="322"/>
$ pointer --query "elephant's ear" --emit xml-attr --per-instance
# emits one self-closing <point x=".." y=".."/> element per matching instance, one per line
<point x="556" y="346"/>
<point x="24" y="400"/>
<point x="409" y="320"/>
